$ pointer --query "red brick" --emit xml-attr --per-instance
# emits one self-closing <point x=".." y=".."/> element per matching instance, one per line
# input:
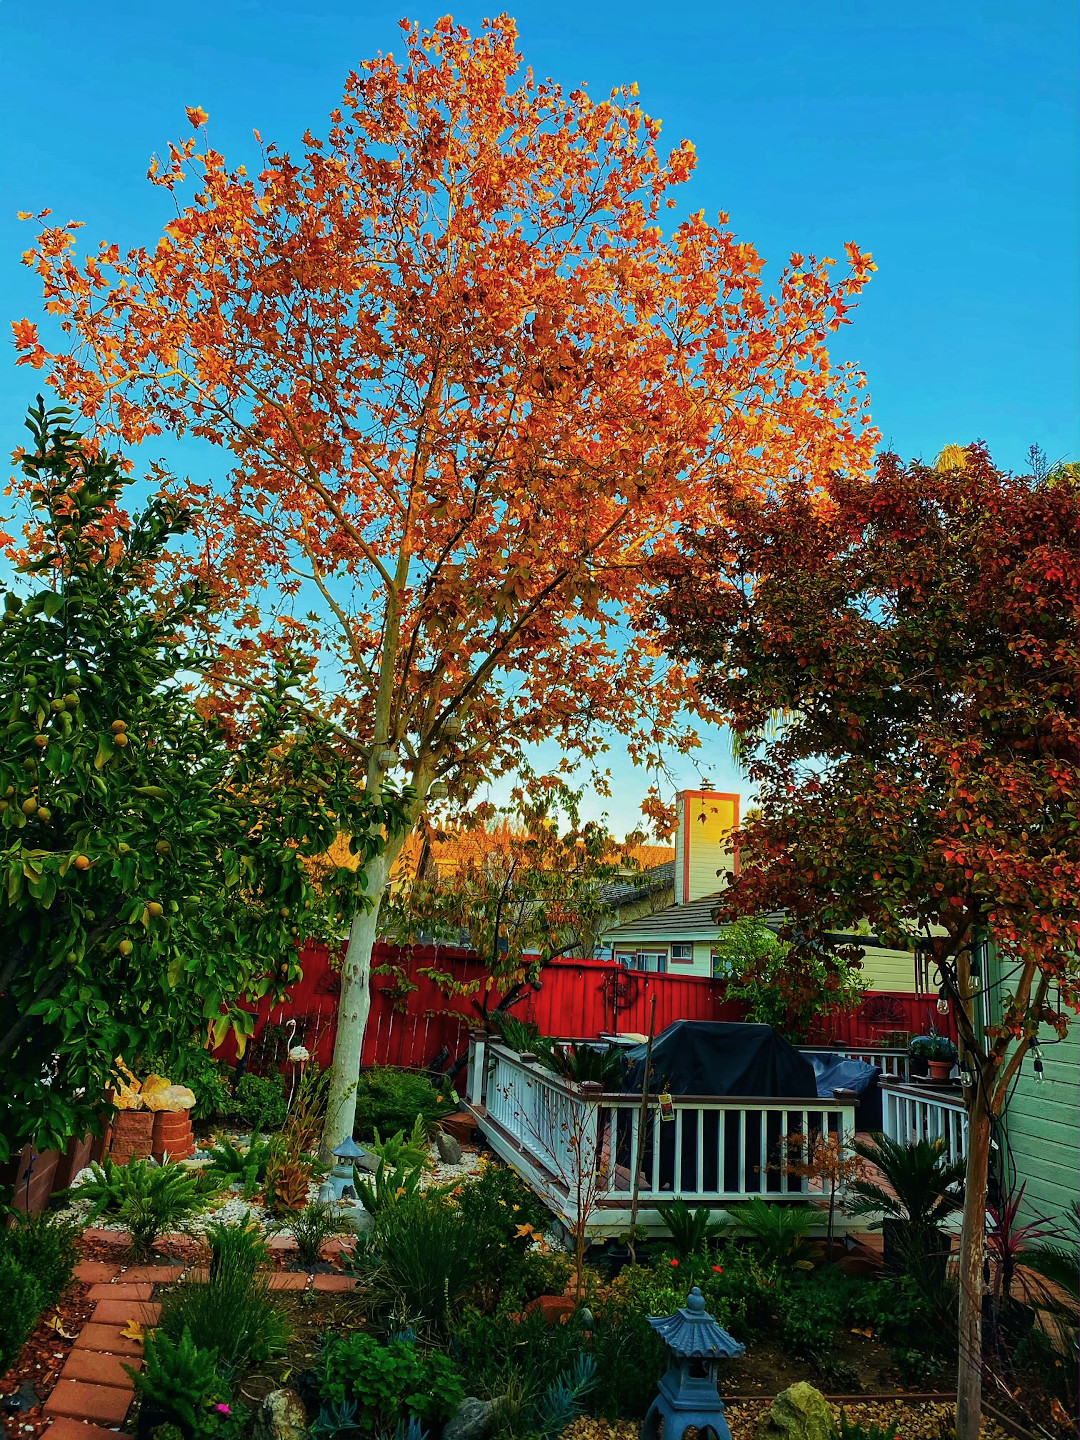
<point x="282" y="1244"/>
<point x="119" y="1238"/>
<point x="95" y="1272"/>
<point x="155" y="1274"/>
<point x="100" y="1368"/>
<point x="106" y="1338"/>
<point x="65" y="1428"/>
<point x="197" y="1275"/>
<point x="83" y="1401"/>
<point x="121" y="1290"/>
<point x="119" y="1312"/>
<point x="288" y="1280"/>
<point x="337" y="1247"/>
<point x="335" y="1282"/>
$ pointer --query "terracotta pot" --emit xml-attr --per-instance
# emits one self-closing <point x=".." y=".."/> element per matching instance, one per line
<point x="556" y="1309"/>
<point x="940" y="1069"/>
<point x="132" y="1136"/>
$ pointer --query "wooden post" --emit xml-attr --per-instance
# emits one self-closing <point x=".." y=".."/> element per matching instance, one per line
<point x="643" y="1112"/>
<point x="477" y="1081"/>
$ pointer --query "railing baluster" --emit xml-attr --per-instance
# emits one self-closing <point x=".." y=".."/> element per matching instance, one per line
<point x="699" y="1176"/>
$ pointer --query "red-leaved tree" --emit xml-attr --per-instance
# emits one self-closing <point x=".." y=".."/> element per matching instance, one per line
<point x="915" y="630"/>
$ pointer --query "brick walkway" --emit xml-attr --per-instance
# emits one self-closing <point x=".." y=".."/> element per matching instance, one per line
<point x="92" y="1397"/>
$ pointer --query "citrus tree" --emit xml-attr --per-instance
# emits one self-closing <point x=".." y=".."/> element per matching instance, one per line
<point x="152" y="877"/>
<point x="469" y="386"/>
<point x="916" y="630"/>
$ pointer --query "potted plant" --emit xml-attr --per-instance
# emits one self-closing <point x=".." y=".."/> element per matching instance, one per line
<point x="920" y="1190"/>
<point x="938" y="1051"/>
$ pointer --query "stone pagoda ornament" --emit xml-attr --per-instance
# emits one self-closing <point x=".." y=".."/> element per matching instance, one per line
<point x="688" y="1394"/>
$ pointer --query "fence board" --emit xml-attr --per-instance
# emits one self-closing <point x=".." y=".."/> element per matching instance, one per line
<point x="577" y="1000"/>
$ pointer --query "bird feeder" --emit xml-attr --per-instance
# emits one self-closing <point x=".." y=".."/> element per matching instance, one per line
<point x="387" y="759"/>
<point x="688" y="1391"/>
<point x="439" y="790"/>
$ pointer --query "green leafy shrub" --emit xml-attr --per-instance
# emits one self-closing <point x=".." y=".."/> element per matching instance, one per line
<point x="149" y="1200"/>
<point x="388" y="1382"/>
<point x="230" y="1164"/>
<point x="809" y="1315"/>
<point x="178" y="1375"/>
<point x="20" y="1305"/>
<point x="44" y="1245"/>
<point x="498" y="1211"/>
<point x="260" y="1101"/>
<point x="233" y="1312"/>
<point x="311" y="1228"/>
<point x="692" y="1231"/>
<point x="390" y="1100"/>
<point x="601" y="1066"/>
<point x="426" y="1266"/>
<point x="780" y="1231"/>
<point x="241" y="1247"/>
<point x="397" y="1150"/>
<point x="196" y="1067"/>
<point x="536" y="1273"/>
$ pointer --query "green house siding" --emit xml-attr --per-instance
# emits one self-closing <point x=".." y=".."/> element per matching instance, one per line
<point x="1042" y="1124"/>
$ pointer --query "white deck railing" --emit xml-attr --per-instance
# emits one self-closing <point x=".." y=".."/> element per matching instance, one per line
<point x="912" y="1112"/>
<point x="578" y="1146"/>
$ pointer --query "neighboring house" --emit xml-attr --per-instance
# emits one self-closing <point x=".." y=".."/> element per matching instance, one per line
<point x="1042" y="1121"/>
<point x="679" y="937"/>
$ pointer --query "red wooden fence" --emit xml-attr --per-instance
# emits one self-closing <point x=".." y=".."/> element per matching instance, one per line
<point x="577" y="999"/>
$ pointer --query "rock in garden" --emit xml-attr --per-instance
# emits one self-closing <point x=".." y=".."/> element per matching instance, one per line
<point x="798" y="1413"/>
<point x="281" y="1417"/>
<point x="474" y="1419"/>
<point x="448" y="1148"/>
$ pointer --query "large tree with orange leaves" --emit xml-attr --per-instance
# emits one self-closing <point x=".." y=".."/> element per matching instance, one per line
<point x="470" y="389"/>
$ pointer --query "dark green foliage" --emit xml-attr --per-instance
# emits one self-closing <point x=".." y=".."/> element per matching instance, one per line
<point x="234" y="1312"/>
<point x="420" y="1265"/>
<point x="178" y="1375"/>
<point x="517" y="1034"/>
<point x="851" y="1430"/>
<point x="921" y="1182"/>
<point x="311" y="1228"/>
<point x="387" y="1382"/>
<point x="390" y="1100"/>
<point x="44" y="1245"/>
<point x="492" y="1208"/>
<point x="229" y="1163"/>
<point x="692" y="1231"/>
<point x="809" y="1316"/>
<point x="20" y="1305"/>
<point x="235" y="1247"/>
<point x="602" y="1065"/>
<point x="779" y="1230"/>
<point x="260" y="1101"/>
<point x="150" y="1200"/>
<point x="117" y="795"/>
<point x="193" y="1065"/>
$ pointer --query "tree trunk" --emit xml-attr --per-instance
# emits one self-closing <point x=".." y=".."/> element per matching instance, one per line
<point x="972" y="1247"/>
<point x="354" y="1004"/>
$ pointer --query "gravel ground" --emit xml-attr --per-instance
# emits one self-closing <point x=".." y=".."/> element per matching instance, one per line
<point x="231" y="1209"/>
<point x="916" y="1421"/>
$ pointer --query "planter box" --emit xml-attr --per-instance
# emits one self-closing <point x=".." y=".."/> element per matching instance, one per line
<point x="31" y="1173"/>
<point x="172" y="1135"/>
<point x="75" y="1158"/>
<point x="132" y="1136"/>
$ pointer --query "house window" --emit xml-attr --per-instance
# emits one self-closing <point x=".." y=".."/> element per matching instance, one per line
<point x="682" y="953"/>
<point x="652" y="960"/>
<point x="626" y="957"/>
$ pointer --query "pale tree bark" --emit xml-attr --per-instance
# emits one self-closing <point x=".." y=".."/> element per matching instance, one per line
<point x="972" y="1247"/>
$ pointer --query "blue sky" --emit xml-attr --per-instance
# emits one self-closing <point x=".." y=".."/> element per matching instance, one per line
<point x="942" y="137"/>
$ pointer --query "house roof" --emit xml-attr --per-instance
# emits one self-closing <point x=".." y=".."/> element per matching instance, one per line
<point x="626" y="890"/>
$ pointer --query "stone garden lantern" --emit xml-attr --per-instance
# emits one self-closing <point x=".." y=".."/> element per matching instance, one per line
<point x="340" y="1178"/>
<point x="688" y="1394"/>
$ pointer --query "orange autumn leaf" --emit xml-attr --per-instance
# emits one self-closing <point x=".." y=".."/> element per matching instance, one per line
<point x="471" y="391"/>
<point x="196" y="115"/>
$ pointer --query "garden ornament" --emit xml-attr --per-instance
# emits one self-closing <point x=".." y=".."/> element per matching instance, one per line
<point x="688" y="1394"/>
<point x="346" y="1155"/>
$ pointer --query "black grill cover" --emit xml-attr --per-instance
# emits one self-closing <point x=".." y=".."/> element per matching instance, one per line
<point x="711" y="1057"/>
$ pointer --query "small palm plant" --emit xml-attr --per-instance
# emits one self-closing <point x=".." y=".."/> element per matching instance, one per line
<point x="919" y="1192"/>
<point x="691" y="1230"/>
